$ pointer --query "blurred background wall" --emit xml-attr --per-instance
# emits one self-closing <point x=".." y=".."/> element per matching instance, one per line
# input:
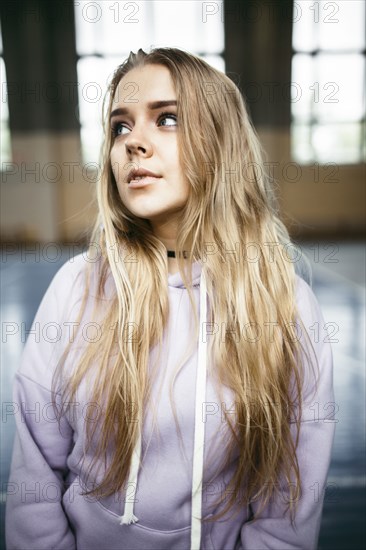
<point x="301" y="69"/>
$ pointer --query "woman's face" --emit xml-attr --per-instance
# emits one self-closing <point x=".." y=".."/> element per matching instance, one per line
<point x="144" y="124"/>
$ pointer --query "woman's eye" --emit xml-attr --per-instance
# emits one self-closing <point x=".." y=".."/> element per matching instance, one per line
<point x="165" y="119"/>
<point x="168" y="120"/>
<point x="118" y="129"/>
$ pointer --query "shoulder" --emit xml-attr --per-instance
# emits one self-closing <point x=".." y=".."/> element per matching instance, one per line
<point x="74" y="269"/>
<point x="56" y="320"/>
<point x="309" y="314"/>
<point x="307" y="302"/>
<point x="74" y="276"/>
<point x="312" y="332"/>
<point x="67" y="289"/>
<point x="303" y="290"/>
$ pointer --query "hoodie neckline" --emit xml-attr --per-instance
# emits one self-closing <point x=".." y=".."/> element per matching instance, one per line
<point x="175" y="279"/>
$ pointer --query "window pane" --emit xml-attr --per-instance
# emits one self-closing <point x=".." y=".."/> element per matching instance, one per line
<point x="302" y="96"/>
<point x="329" y="25"/>
<point x="215" y="61"/>
<point x="337" y="142"/>
<point x="304" y="35"/>
<point x="94" y="74"/>
<point x="328" y="88"/>
<point x="302" y="149"/>
<point x="5" y="150"/>
<point x="182" y="24"/>
<point x="5" y="143"/>
<point x="91" y="140"/>
<point x="338" y="93"/>
<point x="110" y="27"/>
<point x="342" y="25"/>
<point x="4" y="95"/>
<point x="86" y="32"/>
<point x="327" y="143"/>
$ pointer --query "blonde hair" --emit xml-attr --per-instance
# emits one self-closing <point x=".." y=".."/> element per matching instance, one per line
<point x="231" y="205"/>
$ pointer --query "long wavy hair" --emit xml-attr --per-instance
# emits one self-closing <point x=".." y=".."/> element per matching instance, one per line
<point x="231" y="205"/>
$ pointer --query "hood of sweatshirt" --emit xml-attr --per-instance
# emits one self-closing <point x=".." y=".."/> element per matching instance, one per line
<point x="175" y="279"/>
<point x="128" y="518"/>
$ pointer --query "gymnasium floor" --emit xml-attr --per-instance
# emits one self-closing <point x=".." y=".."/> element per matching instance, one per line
<point x="339" y="284"/>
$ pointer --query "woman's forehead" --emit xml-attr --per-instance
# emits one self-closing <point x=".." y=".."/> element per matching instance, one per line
<point x="146" y="84"/>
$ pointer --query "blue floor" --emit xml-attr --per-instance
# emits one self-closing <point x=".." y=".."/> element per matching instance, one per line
<point x="339" y="284"/>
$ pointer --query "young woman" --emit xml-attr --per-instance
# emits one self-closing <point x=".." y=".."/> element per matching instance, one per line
<point x="171" y="401"/>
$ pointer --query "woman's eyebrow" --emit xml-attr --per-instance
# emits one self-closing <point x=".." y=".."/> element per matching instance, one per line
<point x="152" y="105"/>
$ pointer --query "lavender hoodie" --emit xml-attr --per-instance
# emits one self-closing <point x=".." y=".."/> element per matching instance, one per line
<point x="175" y="482"/>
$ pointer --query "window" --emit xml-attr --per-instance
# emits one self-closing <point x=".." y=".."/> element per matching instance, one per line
<point x="328" y="82"/>
<point x="5" y="147"/>
<point x="106" y="31"/>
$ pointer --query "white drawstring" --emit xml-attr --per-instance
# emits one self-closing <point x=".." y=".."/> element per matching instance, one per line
<point x="128" y="516"/>
<point x="199" y="430"/>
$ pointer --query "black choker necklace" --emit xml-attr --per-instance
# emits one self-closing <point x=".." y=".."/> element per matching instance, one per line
<point x="171" y="254"/>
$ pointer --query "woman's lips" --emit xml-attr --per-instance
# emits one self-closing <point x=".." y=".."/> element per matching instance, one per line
<point x="142" y="182"/>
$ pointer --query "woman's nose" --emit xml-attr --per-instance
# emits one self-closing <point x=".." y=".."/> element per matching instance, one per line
<point x="137" y="142"/>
